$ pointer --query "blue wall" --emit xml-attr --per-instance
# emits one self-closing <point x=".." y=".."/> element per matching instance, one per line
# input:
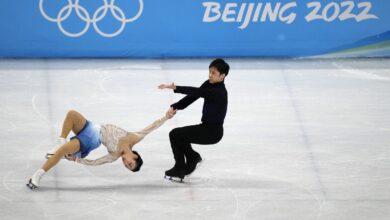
<point x="194" y="28"/>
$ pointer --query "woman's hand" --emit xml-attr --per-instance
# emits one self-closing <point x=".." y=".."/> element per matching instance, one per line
<point x="70" y="157"/>
<point x="170" y="113"/>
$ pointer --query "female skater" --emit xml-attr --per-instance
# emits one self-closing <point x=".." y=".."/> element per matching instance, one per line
<point x="89" y="136"/>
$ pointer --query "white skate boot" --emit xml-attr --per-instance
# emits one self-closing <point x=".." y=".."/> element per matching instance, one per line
<point x="60" y="141"/>
<point x="33" y="182"/>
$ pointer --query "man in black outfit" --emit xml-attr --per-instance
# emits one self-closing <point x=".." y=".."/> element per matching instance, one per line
<point x="210" y="131"/>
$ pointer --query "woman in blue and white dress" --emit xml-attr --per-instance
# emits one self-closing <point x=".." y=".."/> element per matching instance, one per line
<point x="89" y="136"/>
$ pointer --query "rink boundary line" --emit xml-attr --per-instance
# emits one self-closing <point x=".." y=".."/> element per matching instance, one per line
<point x="360" y="74"/>
<point x="300" y="123"/>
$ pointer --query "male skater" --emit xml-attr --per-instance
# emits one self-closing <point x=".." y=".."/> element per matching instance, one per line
<point x="210" y="131"/>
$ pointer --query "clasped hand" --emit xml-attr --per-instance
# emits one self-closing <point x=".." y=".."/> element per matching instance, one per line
<point x="167" y="86"/>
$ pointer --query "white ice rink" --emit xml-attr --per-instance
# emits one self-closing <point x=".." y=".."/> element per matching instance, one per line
<point x="304" y="139"/>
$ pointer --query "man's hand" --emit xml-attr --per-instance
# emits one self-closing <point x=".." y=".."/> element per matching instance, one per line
<point x="167" y="86"/>
<point x="170" y="113"/>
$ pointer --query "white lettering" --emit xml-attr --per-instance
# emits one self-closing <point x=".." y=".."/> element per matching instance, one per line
<point x="228" y="11"/>
<point x="214" y="8"/>
<point x="342" y="11"/>
<point x="328" y="7"/>
<point x="248" y="16"/>
<point x="365" y="14"/>
<point x="347" y="13"/>
<point x="245" y="13"/>
<point x="260" y="12"/>
<point x="257" y="12"/>
<point x="290" y="18"/>
<point x="241" y="12"/>
<point x="267" y="11"/>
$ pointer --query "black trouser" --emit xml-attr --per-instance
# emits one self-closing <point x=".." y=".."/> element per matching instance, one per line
<point x="182" y="138"/>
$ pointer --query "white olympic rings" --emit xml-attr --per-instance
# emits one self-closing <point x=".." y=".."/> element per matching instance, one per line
<point x="84" y="15"/>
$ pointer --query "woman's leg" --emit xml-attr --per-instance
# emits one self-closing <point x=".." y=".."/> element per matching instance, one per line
<point x="69" y="148"/>
<point x="73" y="121"/>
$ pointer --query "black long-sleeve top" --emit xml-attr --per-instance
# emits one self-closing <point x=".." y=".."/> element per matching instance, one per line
<point x="215" y="100"/>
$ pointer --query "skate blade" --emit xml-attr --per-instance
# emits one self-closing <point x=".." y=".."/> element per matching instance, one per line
<point x="197" y="166"/>
<point x="174" y="179"/>
<point x="31" y="185"/>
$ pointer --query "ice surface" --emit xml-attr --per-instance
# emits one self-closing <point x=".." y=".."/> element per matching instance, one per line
<point x="304" y="139"/>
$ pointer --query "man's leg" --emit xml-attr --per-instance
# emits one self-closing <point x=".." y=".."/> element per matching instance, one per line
<point x="69" y="148"/>
<point x="75" y="122"/>
<point x="176" y="143"/>
<point x="196" y="134"/>
<point x="178" y="169"/>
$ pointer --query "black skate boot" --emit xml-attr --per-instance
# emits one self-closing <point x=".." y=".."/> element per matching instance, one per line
<point x="175" y="174"/>
<point x="192" y="163"/>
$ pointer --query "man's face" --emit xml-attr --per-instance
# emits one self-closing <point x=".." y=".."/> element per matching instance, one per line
<point x="215" y="76"/>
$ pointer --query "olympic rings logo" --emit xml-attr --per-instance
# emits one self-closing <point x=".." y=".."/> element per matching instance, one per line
<point x="83" y="14"/>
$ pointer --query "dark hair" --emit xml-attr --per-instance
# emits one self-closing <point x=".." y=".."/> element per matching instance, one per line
<point x="139" y="162"/>
<point x="221" y="66"/>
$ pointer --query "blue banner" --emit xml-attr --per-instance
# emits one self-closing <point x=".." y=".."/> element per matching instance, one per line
<point x="194" y="28"/>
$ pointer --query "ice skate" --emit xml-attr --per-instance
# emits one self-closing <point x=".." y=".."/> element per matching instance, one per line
<point x="33" y="182"/>
<point x="60" y="142"/>
<point x="31" y="185"/>
<point x="175" y="174"/>
<point x="192" y="164"/>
